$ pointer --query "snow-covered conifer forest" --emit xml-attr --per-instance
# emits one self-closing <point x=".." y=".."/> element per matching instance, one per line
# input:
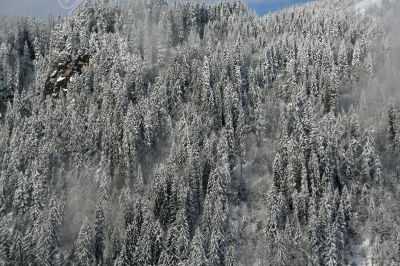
<point x="155" y="133"/>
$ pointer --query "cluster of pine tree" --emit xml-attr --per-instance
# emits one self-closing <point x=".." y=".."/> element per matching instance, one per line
<point x="199" y="135"/>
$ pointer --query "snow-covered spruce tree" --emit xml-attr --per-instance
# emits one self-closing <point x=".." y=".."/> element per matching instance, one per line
<point x="99" y="234"/>
<point x="197" y="255"/>
<point x="5" y="245"/>
<point x="84" y="252"/>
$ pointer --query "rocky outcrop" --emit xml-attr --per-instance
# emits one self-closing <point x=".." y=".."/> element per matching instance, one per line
<point x="58" y="80"/>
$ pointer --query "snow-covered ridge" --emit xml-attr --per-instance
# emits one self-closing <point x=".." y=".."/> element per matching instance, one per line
<point x="363" y="6"/>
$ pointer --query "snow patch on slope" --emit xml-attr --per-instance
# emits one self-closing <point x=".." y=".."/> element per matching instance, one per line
<point x="60" y="79"/>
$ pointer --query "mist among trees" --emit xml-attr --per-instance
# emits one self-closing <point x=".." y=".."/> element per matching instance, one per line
<point x="155" y="133"/>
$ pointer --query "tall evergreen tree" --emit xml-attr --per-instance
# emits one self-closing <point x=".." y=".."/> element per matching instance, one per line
<point x="84" y="252"/>
<point x="99" y="234"/>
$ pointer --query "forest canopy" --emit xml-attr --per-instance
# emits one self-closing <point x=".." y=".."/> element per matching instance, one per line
<point x="154" y="133"/>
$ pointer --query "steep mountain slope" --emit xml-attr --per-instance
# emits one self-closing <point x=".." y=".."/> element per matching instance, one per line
<point x="146" y="133"/>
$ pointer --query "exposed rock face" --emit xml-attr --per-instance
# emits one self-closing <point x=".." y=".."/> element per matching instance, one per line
<point x="60" y="77"/>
